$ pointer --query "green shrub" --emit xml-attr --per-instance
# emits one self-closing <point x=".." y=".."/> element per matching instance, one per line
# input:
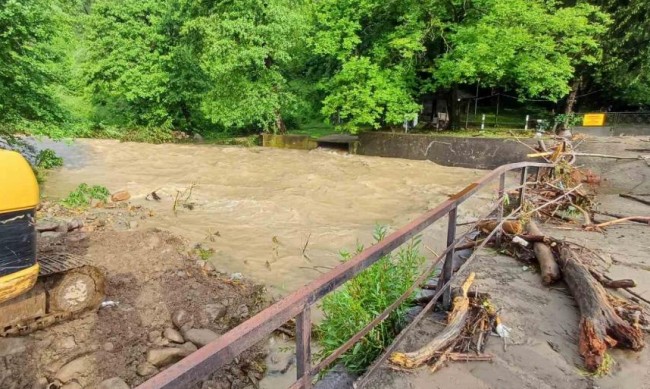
<point x="347" y="310"/>
<point x="84" y="195"/>
<point x="47" y="159"/>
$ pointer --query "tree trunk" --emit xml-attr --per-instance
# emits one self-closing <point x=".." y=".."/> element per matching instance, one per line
<point x="280" y="128"/>
<point x="600" y="325"/>
<point x="548" y="266"/>
<point x="573" y="98"/>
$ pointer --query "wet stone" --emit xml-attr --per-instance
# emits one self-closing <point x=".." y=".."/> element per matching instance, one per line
<point x="182" y="319"/>
<point x="74" y="369"/>
<point x="200" y="336"/>
<point x="146" y="369"/>
<point x="173" y="335"/>
<point x="164" y="356"/>
<point x="113" y="383"/>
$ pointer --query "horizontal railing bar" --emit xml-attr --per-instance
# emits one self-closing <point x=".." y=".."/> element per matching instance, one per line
<point x="225" y="348"/>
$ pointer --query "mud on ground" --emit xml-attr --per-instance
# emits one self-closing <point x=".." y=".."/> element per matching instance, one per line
<point x="150" y="275"/>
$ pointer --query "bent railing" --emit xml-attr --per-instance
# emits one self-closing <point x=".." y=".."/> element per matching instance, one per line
<point x="226" y="348"/>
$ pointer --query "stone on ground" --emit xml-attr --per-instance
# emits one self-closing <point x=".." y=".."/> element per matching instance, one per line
<point x="113" y="383"/>
<point x="200" y="336"/>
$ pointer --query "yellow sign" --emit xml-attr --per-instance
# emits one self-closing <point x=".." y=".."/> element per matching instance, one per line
<point x="593" y="120"/>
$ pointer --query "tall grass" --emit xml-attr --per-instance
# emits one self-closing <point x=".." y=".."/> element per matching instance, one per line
<point x="354" y="305"/>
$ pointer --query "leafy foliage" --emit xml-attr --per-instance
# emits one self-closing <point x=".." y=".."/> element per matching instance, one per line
<point x="354" y="305"/>
<point x="139" y="69"/>
<point x="84" y="195"/>
<point x="27" y="63"/>
<point x="533" y="47"/>
<point x="47" y="159"/>
<point x="626" y="68"/>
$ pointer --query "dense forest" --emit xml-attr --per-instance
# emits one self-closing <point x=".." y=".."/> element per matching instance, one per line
<point x="142" y="68"/>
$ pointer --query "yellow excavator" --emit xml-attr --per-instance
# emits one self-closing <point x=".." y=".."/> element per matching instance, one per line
<point x="36" y="290"/>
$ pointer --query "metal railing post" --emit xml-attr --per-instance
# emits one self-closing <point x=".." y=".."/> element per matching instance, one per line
<point x="448" y="266"/>
<point x="303" y="347"/>
<point x="502" y="186"/>
<point x="522" y="183"/>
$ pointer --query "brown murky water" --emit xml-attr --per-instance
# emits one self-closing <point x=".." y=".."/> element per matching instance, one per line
<point x="267" y="205"/>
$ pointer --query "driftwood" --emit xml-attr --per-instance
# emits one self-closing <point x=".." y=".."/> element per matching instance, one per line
<point x="601" y="327"/>
<point x="617" y="221"/>
<point x="509" y="226"/>
<point x="454" y="292"/>
<point x="612" y="284"/>
<point x="635" y="198"/>
<point x="548" y="266"/>
<point x="638" y="219"/>
<point x="445" y="340"/>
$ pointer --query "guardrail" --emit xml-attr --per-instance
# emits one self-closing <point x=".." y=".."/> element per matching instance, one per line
<point x="226" y="348"/>
<point x="623" y="119"/>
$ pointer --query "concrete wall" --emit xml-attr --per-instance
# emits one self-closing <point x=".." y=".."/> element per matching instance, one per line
<point x="479" y="153"/>
<point x="301" y="142"/>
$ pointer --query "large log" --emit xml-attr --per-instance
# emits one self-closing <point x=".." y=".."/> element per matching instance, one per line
<point x="600" y="326"/>
<point x="455" y="325"/>
<point x="548" y="266"/>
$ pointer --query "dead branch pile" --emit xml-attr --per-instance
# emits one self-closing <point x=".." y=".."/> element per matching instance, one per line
<point x="565" y="193"/>
<point x="469" y="326"/>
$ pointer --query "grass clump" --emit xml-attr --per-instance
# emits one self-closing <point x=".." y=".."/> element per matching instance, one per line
<point x="84" y="195"/>
<point x="354" y="305"/>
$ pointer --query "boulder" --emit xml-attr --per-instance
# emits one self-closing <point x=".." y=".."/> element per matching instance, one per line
<point x="200" y="336"/>
<point x="113" y="383"/>
<point x="173" y="335"/>
<point x="161" y="357"/>
<point x="42" y="226"/>
<point x="40" y="383"/>
<point x="74" y="369"/>
<point x="188" y="348"/>
<point x="146" y="369"/>
<point x="155" y="337"/>
<point x="120" y="196"/>
<point x="182" y="319"/>
<point x="52" y="235"/>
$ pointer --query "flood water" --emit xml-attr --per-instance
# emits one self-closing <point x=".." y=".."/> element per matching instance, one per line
<point x="279" y="217"/>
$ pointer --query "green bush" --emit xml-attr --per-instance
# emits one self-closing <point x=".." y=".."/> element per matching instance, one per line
<point x="347" y="310"/>
<point x="47" y="159"/>
<point x="84" y="195"/>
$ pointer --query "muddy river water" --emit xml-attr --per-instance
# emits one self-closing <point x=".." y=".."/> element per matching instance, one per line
<point x="277" y="216"/>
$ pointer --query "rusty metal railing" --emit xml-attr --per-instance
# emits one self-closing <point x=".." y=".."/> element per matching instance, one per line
<point x="226" y="348"/>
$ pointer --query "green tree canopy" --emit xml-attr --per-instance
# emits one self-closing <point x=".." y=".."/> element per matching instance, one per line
<point x="28" y="63"/>
<point x="626" y="68"/>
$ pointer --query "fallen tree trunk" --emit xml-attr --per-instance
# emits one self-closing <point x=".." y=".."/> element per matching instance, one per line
<point x="600" y="326"/>
<point x="549" y="268"/>
<point x="455" y="325"/>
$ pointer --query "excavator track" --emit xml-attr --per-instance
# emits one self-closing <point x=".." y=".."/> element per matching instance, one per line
<point x="67" y="287"/>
